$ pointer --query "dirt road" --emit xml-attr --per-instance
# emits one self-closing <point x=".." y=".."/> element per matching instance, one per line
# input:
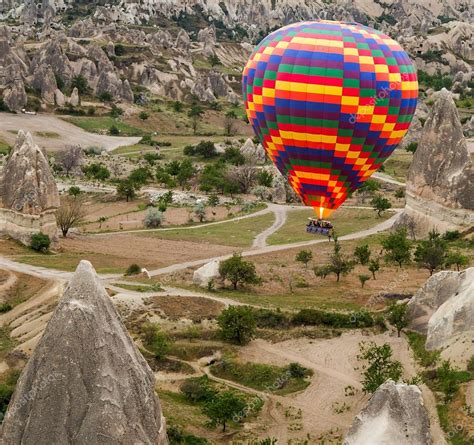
<point x="67" y="134"/>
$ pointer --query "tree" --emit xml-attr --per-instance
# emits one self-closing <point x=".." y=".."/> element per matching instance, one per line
<point x="80" y="82"/>
<point x="186" y="172"/>
<point x="213" y="200"/>
<point x="195" y="115"/>
<point x="304" y="256"/>
<point x="322" y="271"/>
<point x="140" y="176"/>
<point x="71" y="158"/>
<point x="374" y="266"/>
<point x="114" y="131"/>
<point x="74" y="191"/>
<point x="223" y="407"/>
<point x="205" y="149"/>
<point x="198" y="389"/>
<point x="362" y="254"/>
<point x="153" y="218"/>
<point x="447" y="376"/>
<point x="363" y="279"/>
<point x="155" y="340"/>
<point x="244" y="176"/>
<point x="411" y="147"/>
<point x="379" y="367"/>
<point x="214" y="60"/>
<point x="233" y="156"/>
<point x="229" y="123"/>
<point x="177" y="106"/>
<point x="40" y="242"/>
<point x="238" y="271"/>
<point x="151" y="158"/>
<point x="265" y="178"/>
<point x="96" y="171"/>
<point x="431" y="253"/>
<point x="338" y="263"/>
<point x="368" y="188"/>
<point x="398" y="316"/>
<point x="456" y="259"/>
<point x="237" y="324"/>
<point x="380" y="204"/>
<point x="397" y="247"/>
<point x="143" y="115"/>
<point x="200" y="211"/>
<point x="69" y="214"/>
<point x="127" y="189"/>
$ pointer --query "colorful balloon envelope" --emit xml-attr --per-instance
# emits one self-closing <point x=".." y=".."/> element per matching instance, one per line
<point x="329" y="101"/>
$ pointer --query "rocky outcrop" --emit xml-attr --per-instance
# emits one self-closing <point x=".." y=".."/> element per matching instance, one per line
<point x="440" y="183"/>
<point x="29" y="193"/>
<point x="14" y="96"/>
<point x="206" y="273"/>
<point x="74" y="100"/>
<point x="45" y="82"/>
<point x="395" y="414"/>
<point x="443" y="309"/>
<point x="28" y="185"/>
<point x="90" y="382"/>
<point x="254" y="153"/>
<point x="110" y="83"/>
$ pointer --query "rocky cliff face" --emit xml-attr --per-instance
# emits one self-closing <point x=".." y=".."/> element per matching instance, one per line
<point x="28" y="185"/>
<point x="395" y="414"/>
<point x="86" y="382"/>
<point x="440" y="183"/>
<point x="443" y="309"/>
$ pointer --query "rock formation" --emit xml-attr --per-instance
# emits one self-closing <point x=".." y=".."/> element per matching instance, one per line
<point x="440" y="183"/>
<point x="395" y="414"/>
<point x="29" y="193"/>
<point x="205" y="273"/>
<point x="254" y="153"/>
<point x="443" y="309"/>
<point x="90" y="383"/>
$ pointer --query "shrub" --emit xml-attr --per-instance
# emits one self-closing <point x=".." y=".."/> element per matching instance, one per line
<point x="237" y="324"/>
<point x="266" y="318"/>
<point x="40" y="242"/>
<point x="451" y="235"/>
<point x="155" y="340"/>
<point x="153" y="218"/>
<point x="114" y="131"/>
<point x="143" y="115"/>
<point x="105" y="97"/>
<point x="133" y="269"/>
<point x="197" y="389"/>
<point x="360" y="319"/>
<point x="5" y="307"/>
<point x="363" y="279"/>
<point x="297" y="371"/>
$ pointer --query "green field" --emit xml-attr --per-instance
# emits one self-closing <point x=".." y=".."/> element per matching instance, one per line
<point x="398" y="164"/>
<point x="102" y="125"/>
<point x="239" y="233"/>
<point x="345" y="221"/>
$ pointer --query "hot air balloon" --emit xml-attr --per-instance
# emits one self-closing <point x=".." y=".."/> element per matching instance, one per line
<point x="329" y="101"/>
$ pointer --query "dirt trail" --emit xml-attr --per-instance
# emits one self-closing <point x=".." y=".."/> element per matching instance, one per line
<point x="280" y="213"/>
<point x="67" y="134"/>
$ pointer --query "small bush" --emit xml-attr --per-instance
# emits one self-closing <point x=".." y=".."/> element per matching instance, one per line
<point x="5" y="307"/>
<point x="297" y="371"/>
<point x="197" y="389"/>
<point x="311" y="317"/>
<point x="114" y="131"/>
<point x="153" y="218"/>
<point x="451" y="235"/>
<point x="266" y="318"/>
<point x="40" y="242"/>
<point x="133" y="269"/>
<point x="155" y="340"/>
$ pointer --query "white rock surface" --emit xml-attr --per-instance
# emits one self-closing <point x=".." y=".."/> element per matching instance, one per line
<point x="394" y="415"/>
<point x="204" y="274"/>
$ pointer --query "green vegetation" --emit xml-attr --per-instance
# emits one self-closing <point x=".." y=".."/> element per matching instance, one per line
<point x="312" y="317"/>
<point x="7" y="386"/>
<point x="237" y="324"/>
<point x="224" y="407"/>
<point x="40" y="242"/>
<point x="379" y="366"/>
<point x="304" y="256"/>
<point x="397" y="247"/>
<point x="239" y="233"/>
<point x="155" y="340"/>
<point x="103" y="124"/>
<point x="430" y="254"/>
<point x="133" y="269"/>
<point x="264" y="377"/>
<point x="238" y="271"/>
<point x="397" y="315"/>
<point x="422" y="356"/>
<point x="380" y="204"/>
